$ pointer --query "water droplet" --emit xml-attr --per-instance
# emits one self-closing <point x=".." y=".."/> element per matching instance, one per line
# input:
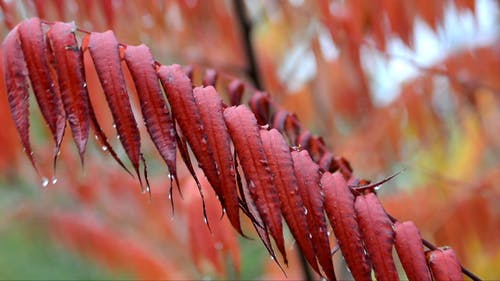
<point x="310" y="236"/>
<point x="96" y="137"/>
<point x="305" y="211"/>
<point x="271" y="257"/>
<point x="118" y="137"/>
<point x="54" y="180"/>
<point x="205" y="220"/>
<point x="224" y="210"/>
<point x="104" y="148"/>
<point x="114" y="125"/>
<point x="31" y="152"/>
<point x="45" y="182"/>
<point x="58" y="153"/>
<point x="328" y="233"/>
<point x="84" y="84"/>
<point x="148" y="189"/>
<point x="169" y="196"/>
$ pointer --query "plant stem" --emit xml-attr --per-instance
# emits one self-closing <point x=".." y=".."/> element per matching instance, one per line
<point x="246" y="33"/>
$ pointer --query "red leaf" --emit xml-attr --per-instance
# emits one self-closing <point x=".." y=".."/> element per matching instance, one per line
<point x="179" y="93"/>
<point x="16" y="75"/>
<point x="444" y="264"/>
<point x="259" y="103"/>
<point x="210" y="78"/>
<point x="104" y="51"/>
<point x="154" y="108"/>
<point x="378" y="235"/>
<point x="69" y="66"/>
<point x="245" y="135"/>
<point x="411" y="251"/>
<point x="308" y="176"/>
<point x="235" y="91"/>
<point x="292" y="206"/>
<point x="34" y="47"/>
<point x="210" y="107"/>
<point x="339" y="206"/>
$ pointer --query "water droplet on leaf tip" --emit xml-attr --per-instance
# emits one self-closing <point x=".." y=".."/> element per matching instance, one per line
<point x="45" y="181"/>
<point x="54" y="180"/>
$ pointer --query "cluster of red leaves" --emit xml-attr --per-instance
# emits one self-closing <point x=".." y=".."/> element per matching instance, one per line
<point x="298" y="184"/>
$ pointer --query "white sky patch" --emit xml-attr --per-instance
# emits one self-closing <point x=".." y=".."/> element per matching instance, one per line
<point x="458" y="31"/>
<point x="298" y="67"/>
<point x="328" y="48"/>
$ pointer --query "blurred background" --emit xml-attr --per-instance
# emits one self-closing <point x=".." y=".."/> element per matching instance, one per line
<point x="389" y="84"/>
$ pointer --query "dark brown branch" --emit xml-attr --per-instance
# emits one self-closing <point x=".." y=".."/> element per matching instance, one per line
<point x="246" y="34"/>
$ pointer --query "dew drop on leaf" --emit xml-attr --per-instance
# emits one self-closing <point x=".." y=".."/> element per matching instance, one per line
<point x="45" y="182"/>
<point x="54" y="180"/>
<point x="205" y="220"/>
<point x="305" y="211"/>
<point x="104" y="148"/>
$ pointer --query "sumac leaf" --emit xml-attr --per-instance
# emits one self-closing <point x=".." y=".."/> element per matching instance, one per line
<point x="308" y="177"/>
<point x="444" y="264"/>
<point x="70" y="72"/>
<point x="34" y="47"/>
<point x="104" y="50"/>
<point x="245" y="135"/>
<point x="16" y="80"/>
<point x="210" y="107"/>
<point x="292" y="206"/>
<point x="339" y="207"/>
<point x="259" y="103"/>
<point x="410" y="250"/>
<point x="179" y="93"/>
<point x="235" y="90"/>
<point x="378" y="235"/>
<point x="154" y="108"/>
